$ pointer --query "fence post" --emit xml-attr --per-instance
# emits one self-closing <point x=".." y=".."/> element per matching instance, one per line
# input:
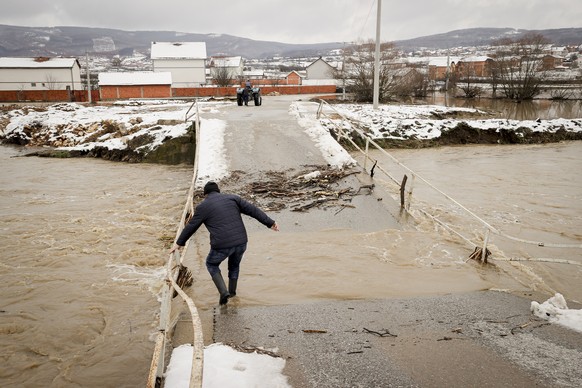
<point x="402" y="189"/>
<point x="319" y="109"/>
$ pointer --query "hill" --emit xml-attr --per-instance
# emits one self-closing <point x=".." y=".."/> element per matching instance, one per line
<point x="76" y="41"/>
<point x="472" y="37"/>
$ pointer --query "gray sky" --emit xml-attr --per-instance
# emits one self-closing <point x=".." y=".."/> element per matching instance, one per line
<point x="296" y="21"/>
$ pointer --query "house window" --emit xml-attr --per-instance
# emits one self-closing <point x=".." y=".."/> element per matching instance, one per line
<point x="33" y="84"/>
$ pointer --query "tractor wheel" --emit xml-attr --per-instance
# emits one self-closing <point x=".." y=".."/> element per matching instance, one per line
<point x="239" y="100"/>
<point x="258" y="100"/>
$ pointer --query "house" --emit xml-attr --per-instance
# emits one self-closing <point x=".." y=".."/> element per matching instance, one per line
<point x="139" y="84"/>
<point x="234" y="66"/>
<point x="39" y="79"/>
<point x="320" y="69"/>
<point x="293" y="78"/>
<point x="186" y="61"/>
<point x="478" y="66"/>
<point x="550" y="62"/>
<point x="440" y="67"/>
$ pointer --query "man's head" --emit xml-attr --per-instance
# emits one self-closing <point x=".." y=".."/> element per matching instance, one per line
<point x="210" y="187"/>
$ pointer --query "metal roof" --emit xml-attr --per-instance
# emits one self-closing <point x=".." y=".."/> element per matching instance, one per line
<point x="34" y="63"/>
<point x="178" y="50"/>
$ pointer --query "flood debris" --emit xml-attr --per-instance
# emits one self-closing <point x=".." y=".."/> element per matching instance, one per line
<point x="297" y="189"/>
<point x="380" y="333"/>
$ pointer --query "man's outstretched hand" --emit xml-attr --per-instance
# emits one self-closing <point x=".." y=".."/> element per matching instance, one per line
<point x="176" y="247"/>
<point x="275" y="227"/>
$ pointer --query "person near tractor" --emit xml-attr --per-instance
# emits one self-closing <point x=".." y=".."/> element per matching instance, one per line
<point x="221" y="214"/>
<point x="247" y="91"/>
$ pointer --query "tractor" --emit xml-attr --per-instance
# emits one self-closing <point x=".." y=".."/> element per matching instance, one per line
<point x="252" y="94"/>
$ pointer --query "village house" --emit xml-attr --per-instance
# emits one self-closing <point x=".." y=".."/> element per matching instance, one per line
<point x="440" y="67"/>
<point x="186" y="61"/>
<point x="40" y="79"/>
<point x="293" y="78"/>
<point x="478" y="66"/>
<point x="319" y="69"/>
<point x="551" y="62"/>
<point x="140" y="84"/>
<point x="234" y="66"/>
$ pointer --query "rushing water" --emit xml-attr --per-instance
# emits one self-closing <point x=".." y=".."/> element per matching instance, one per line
<point x="80" y="268"/>
<point x="83" y="248"/>
<point x="532" y="193"/>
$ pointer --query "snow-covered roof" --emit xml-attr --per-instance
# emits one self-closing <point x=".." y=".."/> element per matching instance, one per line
<point x="135" y="78"/>
<point x="40" y="62"/>
<point x="442" y="61"/>
<point x="475" y="59"/>
<point x="181" y="50"/>
<point x="227" y="61"/>
<point x="254" y="73"/>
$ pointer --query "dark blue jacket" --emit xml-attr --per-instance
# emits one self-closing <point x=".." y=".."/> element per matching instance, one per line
<point x="221" y="214"/>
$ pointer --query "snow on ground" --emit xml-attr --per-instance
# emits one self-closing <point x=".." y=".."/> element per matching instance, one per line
<point x="72" y="126"/>
<point x="212" y="164"/>
<point x="426" y="122"/>
<point x="333" y="153"/>
<point x="226" y="367"/>
<point x="555" y="310"/>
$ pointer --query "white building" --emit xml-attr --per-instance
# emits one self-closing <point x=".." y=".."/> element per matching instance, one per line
<point x="186" y="61"/>
<point x="319" y="69"/>
<point x="40" y="73"/>
<point x="234" y="65"/>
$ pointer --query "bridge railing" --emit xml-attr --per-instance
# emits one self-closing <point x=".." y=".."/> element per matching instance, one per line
<point x="406" y="194"/>
<point x="171" y="307"/>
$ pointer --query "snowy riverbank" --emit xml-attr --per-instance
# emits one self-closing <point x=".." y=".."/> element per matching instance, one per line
<point x="130" y="130"/>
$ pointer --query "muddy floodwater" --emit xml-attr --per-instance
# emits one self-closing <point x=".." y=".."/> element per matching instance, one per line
<point x="84" y="242"/>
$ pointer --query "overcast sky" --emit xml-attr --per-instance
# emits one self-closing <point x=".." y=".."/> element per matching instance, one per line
<point x="296" y="21"/>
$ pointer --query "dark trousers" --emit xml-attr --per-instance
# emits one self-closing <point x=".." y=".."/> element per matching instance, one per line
<point x="217" y="256"/>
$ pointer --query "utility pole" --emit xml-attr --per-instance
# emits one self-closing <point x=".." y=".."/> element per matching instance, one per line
<point x="377" y="59"/>
<point x="88" y="77"/>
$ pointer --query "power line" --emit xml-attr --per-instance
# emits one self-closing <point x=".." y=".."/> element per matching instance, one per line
<point x="367" y="17"/>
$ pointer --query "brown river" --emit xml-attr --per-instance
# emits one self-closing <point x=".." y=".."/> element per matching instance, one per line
<point x="83" y="243"/>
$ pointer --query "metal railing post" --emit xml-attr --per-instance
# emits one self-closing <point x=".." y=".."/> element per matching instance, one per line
<point x="366" y="153"/>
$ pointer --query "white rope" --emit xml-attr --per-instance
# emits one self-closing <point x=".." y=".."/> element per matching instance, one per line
<point x="489" y="226"/>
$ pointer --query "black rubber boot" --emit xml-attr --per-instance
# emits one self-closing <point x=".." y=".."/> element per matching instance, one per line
<point x="232" y="287"/>
<point x="219" y="283"/>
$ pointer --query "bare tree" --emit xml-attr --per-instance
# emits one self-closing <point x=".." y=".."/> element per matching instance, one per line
<point x="51" y="82"/>
<point x="358" y="71"/>
<point x="519" y="66"/>
<point x="467" y="78"/>
<point x="222" y="76"/>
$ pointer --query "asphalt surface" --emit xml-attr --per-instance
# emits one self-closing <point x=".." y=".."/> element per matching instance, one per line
<point x="477" y="339"/>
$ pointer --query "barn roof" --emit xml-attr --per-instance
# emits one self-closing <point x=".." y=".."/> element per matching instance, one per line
<point x="178" y="50"/>
<point x="39" y="62"/>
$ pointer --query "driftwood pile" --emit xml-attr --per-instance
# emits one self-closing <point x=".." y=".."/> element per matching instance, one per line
<point x="299" y="191"/>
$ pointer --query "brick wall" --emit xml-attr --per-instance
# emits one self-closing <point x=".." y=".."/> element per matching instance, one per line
<point x="154" y="91"/>
<point x="46" y="95"/>
<point x="135" y="91"/>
